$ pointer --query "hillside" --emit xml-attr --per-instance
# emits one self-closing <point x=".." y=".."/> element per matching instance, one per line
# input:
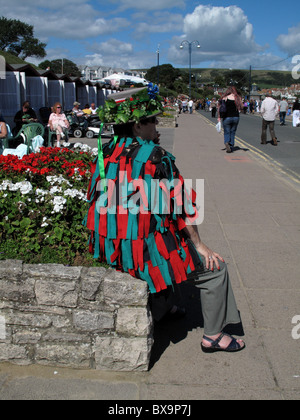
<point x="12" y="59"/>
<point x="263" y="78"/>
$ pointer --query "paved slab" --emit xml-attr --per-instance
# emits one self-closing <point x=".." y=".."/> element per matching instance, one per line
<point x="252" y="218"/>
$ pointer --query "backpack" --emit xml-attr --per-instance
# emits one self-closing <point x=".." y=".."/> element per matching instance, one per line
<point x="223" y="108"/>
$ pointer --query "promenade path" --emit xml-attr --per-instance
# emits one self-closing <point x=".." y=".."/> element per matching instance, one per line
<point x="252" y="218"/>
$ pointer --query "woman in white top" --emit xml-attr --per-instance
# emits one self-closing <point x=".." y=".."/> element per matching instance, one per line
<point x="58" y="122"/>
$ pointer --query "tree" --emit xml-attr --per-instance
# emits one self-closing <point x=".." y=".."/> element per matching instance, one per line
<point x="167" y="75"/>
<point x="237" y="78"/>
<point x="17" y="38"/>
<point x="59" y="66"/>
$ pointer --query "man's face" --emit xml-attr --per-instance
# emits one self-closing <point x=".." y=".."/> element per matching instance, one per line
<point x="148" y="131"/>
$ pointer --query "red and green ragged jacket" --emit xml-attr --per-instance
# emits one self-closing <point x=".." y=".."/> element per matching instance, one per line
<point x="137" y="218"/>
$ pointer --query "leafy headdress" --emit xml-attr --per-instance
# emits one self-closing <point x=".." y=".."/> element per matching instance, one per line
<point x="131" y="106"/>
<point x="125" y="107"/>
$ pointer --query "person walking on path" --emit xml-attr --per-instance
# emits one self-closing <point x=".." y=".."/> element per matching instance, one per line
<point x="269" y="111"/>
<point x="229" y="108"/>
<point x="283" y="107"/>
<point x="141" y="238"/>
<point x="296" y="113"/>
<point x="213" y="106"/>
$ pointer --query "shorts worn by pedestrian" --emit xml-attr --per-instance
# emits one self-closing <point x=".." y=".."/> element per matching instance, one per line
<point x="139" y="218"/>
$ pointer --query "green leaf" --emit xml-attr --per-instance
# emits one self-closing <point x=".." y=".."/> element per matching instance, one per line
<point x="58" y="233"/>
<point x="138" y="113"/>
<point x="122" y="118"/>
<point x="25" y="223"/>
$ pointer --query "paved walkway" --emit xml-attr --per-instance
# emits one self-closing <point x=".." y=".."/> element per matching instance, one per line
<point x="252" y="219"/>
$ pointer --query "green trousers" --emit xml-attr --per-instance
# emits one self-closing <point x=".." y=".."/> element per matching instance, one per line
<point x="217" y="299"/>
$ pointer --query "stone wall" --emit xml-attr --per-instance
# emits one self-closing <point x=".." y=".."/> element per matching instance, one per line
<point x="91" y="318"/>
<point x="168" y="122"/>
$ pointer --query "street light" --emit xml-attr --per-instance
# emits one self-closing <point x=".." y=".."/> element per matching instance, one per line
<point x="158" y="64"/>
<point x="190" y="44"/>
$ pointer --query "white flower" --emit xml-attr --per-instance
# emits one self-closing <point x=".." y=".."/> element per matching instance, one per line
<point x="58" y="203"/>
<point x="55" y="190"/>
<point x="65" y="144"/>
<point x="86" y="148"/>
<point x="58" y="180"/>
<point x="25" y="187"/>
<point x="6" y="184"/>
<point x="74" y="193"/>
<point x="41" y="192"/>
<point x="45" y="224"/>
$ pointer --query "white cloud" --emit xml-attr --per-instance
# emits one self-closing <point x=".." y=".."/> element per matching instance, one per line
<point x="70" y="19"/>
<point x="221" y="29"/>
<point x="221" y="32"/>
<point x="290" y="43"/>
<point x="111" y="47"/>
<point x="137" y="60"/>
<point x="149" y="4"/>
<point x="115" y="53"/>
<point x="159" y="22"/>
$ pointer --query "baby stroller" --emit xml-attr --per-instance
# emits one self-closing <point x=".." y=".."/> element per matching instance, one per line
<point x="78" y="125"/>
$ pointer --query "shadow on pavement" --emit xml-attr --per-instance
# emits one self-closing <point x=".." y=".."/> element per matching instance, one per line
<point x="173" y="331"/>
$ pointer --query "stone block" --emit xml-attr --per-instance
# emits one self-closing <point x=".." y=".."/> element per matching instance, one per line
<point x="64" y="355"/>
<point x="11" y="269"/>
<point x="56" y="293"/>
<point x="17" y="290"/>
<point x="93" y="321"/>
<point x="28" y="320"/>
<point x="124" y="290"/>
<point x="91" y="280"/>
<point x="52" y="271"/>
<point x="14" y="354"/>
<point x="134" y="322"/>
<point x="26" y="337"/>
<point x="122" y="354"/>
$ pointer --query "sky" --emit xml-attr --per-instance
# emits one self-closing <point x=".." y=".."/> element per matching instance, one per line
<point x="264" y="34"/>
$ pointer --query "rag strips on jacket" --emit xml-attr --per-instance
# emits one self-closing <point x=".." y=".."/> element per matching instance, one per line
<point x="137" y="216"/>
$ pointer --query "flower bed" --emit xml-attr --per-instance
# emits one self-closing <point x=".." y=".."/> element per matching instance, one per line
<point x="43" y="204"/>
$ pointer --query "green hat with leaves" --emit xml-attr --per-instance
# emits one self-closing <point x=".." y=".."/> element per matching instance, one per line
<point x="132" y="105"/>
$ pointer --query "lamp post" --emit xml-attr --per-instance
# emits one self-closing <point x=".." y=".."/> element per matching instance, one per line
<point x="190" y="44"/>
<point x="158" y="64"/>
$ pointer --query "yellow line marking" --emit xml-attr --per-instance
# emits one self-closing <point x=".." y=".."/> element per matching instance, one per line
<point x="261" y="155"/>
